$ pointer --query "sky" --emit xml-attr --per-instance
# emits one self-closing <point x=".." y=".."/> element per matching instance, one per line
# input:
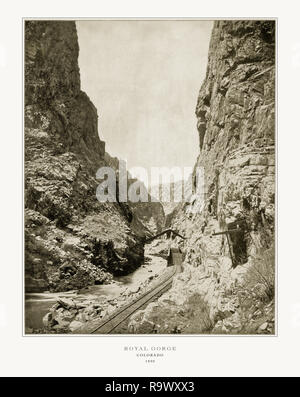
<point x="144" y="78"/>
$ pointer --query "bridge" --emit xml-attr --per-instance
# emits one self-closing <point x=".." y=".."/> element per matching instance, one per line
<point x="168" y="231"/>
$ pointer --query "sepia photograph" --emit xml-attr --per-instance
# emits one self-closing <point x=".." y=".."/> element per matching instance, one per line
<point x="149" y="176"/>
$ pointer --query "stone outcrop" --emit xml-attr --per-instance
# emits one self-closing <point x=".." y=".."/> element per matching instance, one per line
<point x="236" y="124"/>
<point x="71" y="239"/>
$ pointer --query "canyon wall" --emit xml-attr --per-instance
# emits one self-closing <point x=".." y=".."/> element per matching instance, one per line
<point x="71" y="239"/>
<point x="148" y="216"/>
<point x="236" y="125"/>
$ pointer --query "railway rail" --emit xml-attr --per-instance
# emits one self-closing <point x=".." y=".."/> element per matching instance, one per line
<point x="109" y="324"/>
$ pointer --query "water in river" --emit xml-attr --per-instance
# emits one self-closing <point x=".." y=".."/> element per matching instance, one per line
<point x="38" y="304"/>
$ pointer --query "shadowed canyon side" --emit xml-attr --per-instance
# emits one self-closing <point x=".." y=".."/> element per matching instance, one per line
<point x="71" y="239"/>
<point x="227" y="285"/>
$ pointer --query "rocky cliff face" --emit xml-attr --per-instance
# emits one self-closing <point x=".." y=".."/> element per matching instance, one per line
<point x="147" y="217"/>
<point x="71" y="240"/>
<point x="236" y="125"/>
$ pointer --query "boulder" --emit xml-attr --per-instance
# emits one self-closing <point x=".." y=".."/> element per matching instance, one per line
<point x="263" y="326"/>
<point x="47" y="320"/>
<point x="66" y="303"/>
<point x="74" y="325"/>
<point x="134" y="290"/>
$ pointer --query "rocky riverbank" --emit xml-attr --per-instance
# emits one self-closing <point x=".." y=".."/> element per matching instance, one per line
<point x="69" y="313"/>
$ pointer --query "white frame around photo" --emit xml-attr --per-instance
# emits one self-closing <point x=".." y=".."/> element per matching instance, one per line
<point x="117" y="355"/>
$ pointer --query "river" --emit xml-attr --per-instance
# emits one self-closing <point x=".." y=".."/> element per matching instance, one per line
<point x="38" y="304"/>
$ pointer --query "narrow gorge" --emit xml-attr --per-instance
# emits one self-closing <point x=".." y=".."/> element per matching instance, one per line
<point x="74" y="242"/>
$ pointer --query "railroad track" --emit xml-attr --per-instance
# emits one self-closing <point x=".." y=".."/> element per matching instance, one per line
<point x="118" y="317"/>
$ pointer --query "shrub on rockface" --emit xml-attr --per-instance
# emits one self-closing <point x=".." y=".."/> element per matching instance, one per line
<point x="116" y="261"/>
<point x="256" y="295"/>
<point x="36" y="255"/>
<point x="197" y="311"/>
<point x="104" y="256"/>
<point x="134" y="254"/>
<point x="82" y="276"/>
<point x="49" y="205"/>
<point x="260" y="278"/>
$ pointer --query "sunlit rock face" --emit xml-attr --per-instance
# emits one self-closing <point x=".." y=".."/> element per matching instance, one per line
<point x="63" y="218"/>
<point x="236" y="112"/>
<point x="236" y="125"/>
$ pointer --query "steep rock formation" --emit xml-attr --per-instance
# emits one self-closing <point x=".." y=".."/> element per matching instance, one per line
<point x="169" y="195"/>
<point x="149" y="216"/>
<point x="71" y="240"/>
<point x="236" y="124"/>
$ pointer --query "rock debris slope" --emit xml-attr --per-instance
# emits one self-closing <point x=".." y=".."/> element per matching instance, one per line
<point x="229" y="289"/>
<point x="71" y="240"/>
